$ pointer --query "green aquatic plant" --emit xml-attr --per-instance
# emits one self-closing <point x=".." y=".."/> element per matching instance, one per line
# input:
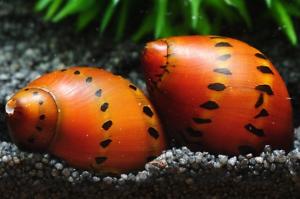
<point x="162" y="18"/>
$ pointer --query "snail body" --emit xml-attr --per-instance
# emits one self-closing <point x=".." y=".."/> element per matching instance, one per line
<point x="218" y="94"/>
<point x="87" y="116"/>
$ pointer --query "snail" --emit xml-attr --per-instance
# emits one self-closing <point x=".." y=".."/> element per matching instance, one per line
<point x="218" y="94"/>
<point x="88" y="117"/>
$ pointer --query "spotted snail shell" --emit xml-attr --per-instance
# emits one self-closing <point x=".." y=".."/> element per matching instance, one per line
<point x="218" y="94"/>
<point x="87" y="116"/>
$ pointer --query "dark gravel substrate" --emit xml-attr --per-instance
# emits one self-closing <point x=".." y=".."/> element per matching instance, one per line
<point x="29" y="48"/>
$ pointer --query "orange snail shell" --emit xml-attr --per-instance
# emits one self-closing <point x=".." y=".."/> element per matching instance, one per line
<point x="89" y="117"/>
<point x="218" y="94"/>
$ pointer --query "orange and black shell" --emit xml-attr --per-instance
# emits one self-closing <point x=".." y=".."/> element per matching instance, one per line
<point x="218" y="94"/>
<point x="89" y="117"/>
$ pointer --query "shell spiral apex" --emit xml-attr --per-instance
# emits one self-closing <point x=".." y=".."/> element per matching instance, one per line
<point x="89" y="117"/>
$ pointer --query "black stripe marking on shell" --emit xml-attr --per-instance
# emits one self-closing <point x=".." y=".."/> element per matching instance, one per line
<point x="147" y="111"/>
<point x="88" y="79"/>
<point x="105" y="143"/>
<point x="199" y="120"/>
<point x="104" y="107"/>
<point x="98" y="93"/>
<point x="265" y="69"/>
<point x="224" y="57"/>
<point x="259" y="55"/>
<point x="265" y="88"/>
<point x="223" y="44"/>
<point x="42" y="117"/>
<point x="38" y="128"/>
<point x="256" y="131"/>
<point x="216" y="86"/>
<point x="262" y="113"/>
<point x="224" y="71"/>
<point x="210" y="105"/>
<point x="153" y="132"/>
<point x="193" y="133"/>
<point x="246" y="149"/>
<point x="106" y="125"/>
<point x="63" y="70"/>
<point x="100" y="159"/>
<point x="132" y="87"/>
<point x="77" y="72"/>
<point x="193" y="145"/>
<point x="260" y="100"/>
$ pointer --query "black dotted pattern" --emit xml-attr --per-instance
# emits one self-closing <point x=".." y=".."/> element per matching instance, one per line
<point x="98" y="93"/>
<point x="265" y="69"/>
<point x="77" y="72"/>
<point x="210" y="105"/>
<point x="223" y="44"/>
<point x="147" y="110"/>
<point x="262" y="113"/>
<point x="106" y="125"/>
<point x="261" y="56"/>
<point x="201" y="120"/>
<point x="104" y="107"/>
<point x="105" y="143"/>
<point x="260" y="100"/>
<point x="265" y="88"/>
<point x="63" y="70"/>
<point x="88" y="79"/>
<point x="35" y="93"/>
<point x="217" y="86"/>
<point x="224" y="57"/>
<point x="132" y="87"/>
<point x="41" y="102"/>
<point x="224" y="71"/>
<point x="153" y="132"/>
<point x="38" y="128"/>
<point x="193" y="133"/>
<point x="100" y="159"/>
<point x="42" y="117"/>
<point x="256" y="131"/>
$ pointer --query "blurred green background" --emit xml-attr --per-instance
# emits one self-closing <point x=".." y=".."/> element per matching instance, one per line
<point x="138" y="19"/>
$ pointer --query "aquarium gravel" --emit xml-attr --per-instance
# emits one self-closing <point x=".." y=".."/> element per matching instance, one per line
<point x="29" y="48"/>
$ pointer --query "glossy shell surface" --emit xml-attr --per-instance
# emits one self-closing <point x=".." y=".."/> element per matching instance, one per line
<point x="88" y="117"/>
<point x="218" y="94"/>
